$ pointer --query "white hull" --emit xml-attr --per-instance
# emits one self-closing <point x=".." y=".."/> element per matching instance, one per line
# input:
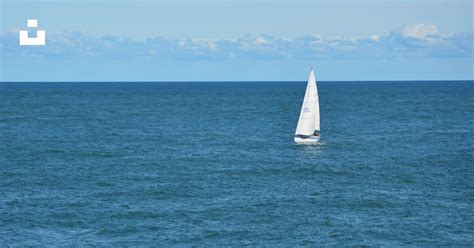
<point x="309" y="140"/>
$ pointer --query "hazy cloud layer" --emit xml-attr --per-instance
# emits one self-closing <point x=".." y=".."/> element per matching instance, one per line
<point x="413" y="41"/>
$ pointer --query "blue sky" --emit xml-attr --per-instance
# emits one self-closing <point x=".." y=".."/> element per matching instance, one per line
<point x="238" y="40"/>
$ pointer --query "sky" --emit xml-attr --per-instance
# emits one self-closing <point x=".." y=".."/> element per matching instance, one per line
<point x="231" y="40"/>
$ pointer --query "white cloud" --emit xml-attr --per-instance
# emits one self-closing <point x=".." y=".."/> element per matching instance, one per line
<point x="419" y="31"/>
<point x="375" y="37"/>
<point x="414" y="41"/>
<point x="260" y="41"/>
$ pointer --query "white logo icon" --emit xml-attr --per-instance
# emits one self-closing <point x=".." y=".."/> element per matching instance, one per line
<point x="39" y="40"/>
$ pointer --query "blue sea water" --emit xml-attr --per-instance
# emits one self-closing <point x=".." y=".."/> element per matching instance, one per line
<point x="215" y="164"/>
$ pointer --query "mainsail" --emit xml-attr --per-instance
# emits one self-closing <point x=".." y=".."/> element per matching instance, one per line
<point x="308" y="122"/>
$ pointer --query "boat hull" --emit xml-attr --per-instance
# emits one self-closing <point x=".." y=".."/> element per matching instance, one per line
<point x="306" y="140"/>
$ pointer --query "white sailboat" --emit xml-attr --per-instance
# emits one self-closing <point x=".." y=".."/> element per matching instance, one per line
<point x="307" y="130"/>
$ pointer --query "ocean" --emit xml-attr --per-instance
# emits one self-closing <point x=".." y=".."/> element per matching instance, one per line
<point x="214" y="164"/>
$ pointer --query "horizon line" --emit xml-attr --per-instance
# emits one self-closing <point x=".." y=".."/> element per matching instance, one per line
<point x="243" y="81"/>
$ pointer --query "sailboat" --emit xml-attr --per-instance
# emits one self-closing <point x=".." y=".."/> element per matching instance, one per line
<point x="307" y="130"/>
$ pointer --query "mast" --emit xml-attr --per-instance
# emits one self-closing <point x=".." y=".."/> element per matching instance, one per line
<point x="317" y="126"/>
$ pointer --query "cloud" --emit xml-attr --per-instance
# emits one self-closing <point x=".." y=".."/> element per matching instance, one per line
<point x="413" y="41"/>
<point x="419" y="31"/>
